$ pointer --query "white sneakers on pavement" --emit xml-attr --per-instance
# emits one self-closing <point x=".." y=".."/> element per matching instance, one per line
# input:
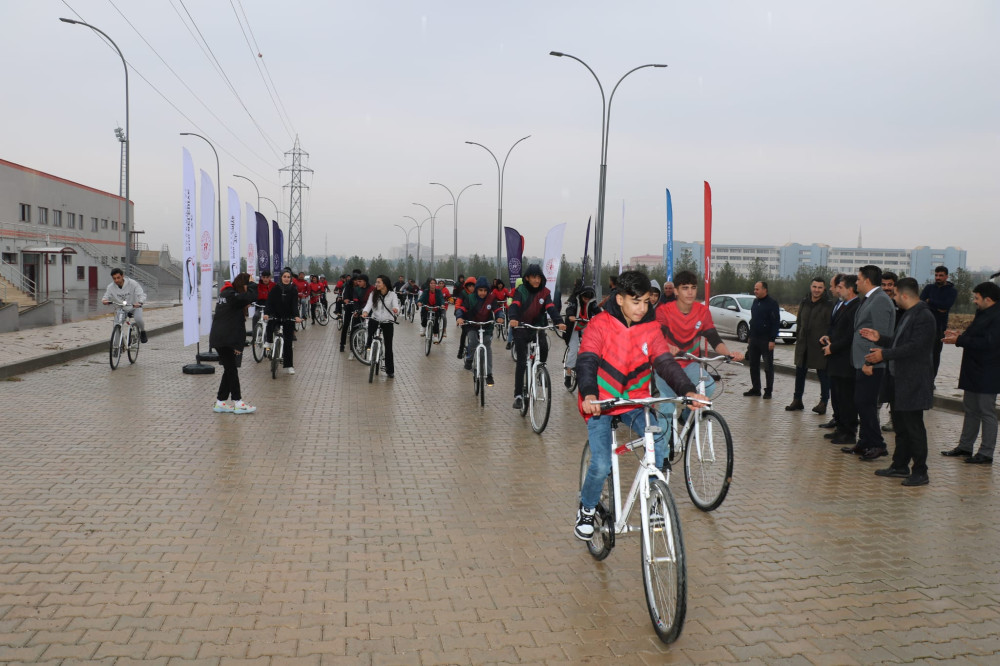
<point x="223" y="407"/>
<point x="290" y="371"/>
<point x="243" y="408"/>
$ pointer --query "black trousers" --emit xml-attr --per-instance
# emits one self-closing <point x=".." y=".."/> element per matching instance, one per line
<point x="521" y="339"/>
<point x="938" y="345"/>
<point x="911" y="441"/>
<point x="757" y="348"/>
<point x="845" y="413"/>
<point x="866" y="391"/>
<point x="287" y="333"/>
<point x="387" y="328"/>
<point x="348" y="311"/>
<point x="230" y="383"/>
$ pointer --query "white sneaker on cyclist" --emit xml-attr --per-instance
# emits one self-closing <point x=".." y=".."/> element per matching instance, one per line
<point x="222" y="407"/>
<point x="290" y="371"/>
<point x="243" y="408"/>
<point x="584" y="523"/>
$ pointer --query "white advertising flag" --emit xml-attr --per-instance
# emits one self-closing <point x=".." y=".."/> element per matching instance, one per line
<point x="553" y="255"/>
<point x="189" y="291"/>
<point x="251" y="255"/>
<point x="206" y="250"/>
<point x="234" y="234"/>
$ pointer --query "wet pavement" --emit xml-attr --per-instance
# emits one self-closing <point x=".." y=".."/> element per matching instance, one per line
<point x="399" y="523"/>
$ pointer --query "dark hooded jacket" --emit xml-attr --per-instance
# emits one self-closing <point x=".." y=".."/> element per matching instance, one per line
<point x="529" y="306"/>
<point x="472" y="308"/>
<point x="576" y="308"/>
<point x="228" y="324"/>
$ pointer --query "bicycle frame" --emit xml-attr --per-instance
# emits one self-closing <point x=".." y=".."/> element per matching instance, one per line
<point x="680" y="434"/>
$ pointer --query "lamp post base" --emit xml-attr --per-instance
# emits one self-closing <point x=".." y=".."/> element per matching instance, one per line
<point x="198" y="369"/>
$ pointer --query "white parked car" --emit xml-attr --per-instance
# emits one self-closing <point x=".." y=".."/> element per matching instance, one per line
<point x="731" y="314"/>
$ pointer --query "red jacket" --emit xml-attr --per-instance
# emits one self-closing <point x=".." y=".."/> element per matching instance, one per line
<point x="301" y="286"/>
<point x="614" y="360"/>
<point x="263" y="290"/>
<point x="315" y="289"/>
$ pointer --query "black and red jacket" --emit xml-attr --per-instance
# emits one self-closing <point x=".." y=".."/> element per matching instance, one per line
<point x="615" y="358"/>
<point x="262" y="291"/>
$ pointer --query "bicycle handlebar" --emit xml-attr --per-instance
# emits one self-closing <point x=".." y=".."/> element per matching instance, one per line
<point x="645" y="402"/>
<point x="481" y="324"/>
<point x="547" y="327"/>
<point x="705" y="360"/>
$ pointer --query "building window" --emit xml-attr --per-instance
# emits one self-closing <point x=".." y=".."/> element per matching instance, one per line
<point x="43" y="215"/>
<point x="67" y="260"/>
<point x="71" y="220"/>
<point x="80" y="273"/>
<point x="93" y="224"/>
<point x="114" y="224"/>
<point x="10" y="258"/>
<point x="57" y="218"/>
<point x="104" y="224"/>
<point x="26" y="212"/>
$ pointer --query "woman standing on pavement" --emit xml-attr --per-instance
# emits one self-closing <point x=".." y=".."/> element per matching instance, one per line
<point x="228" y="337"/>
<point x="381" y="310"/>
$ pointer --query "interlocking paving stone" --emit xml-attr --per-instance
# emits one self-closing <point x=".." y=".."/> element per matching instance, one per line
<point x="399" y="523"/>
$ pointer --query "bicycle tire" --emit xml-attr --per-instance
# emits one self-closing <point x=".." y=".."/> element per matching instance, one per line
<point x="706" y="476"/>
<point x="428" y="337"/>
<point x="322" y="318"/>
<point x="540" y="399"/>
<point x="258" y="342"/>
<point x="277" y="350"/>
<point x="115" y="348"/>
<point x="441" y="327"/>
<point x="481" y="375"/>
<point x="132" y="345"/>
<point x="374" y="358"/>
<point x="525" y="387"/>
<point x="359" y="335"/>
<point x="664" y="571"/>
<point x="513" y="349"/>
<point x="340" y="321"/>
<point x="603" y="541"/>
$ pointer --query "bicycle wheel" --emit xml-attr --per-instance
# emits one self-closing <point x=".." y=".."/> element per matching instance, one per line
<point x="481" y="375"/>
<point x="428" y="337"/>
<point x="525" y="398"/>
<point x="540" y="399"/>
<point x="664" y="570"/>
<point x="340" y="321"/>
<point x="375" y="358"/>
<point x="132" y="344"/>
<point x="258" y="342"/>
<point x="115" y="349"/>
<point x="604" y="518"/>
<point x="440" y="334"/>
<point x="708" y="460"/>
<point x="277" y="350"/>
<point x="322" y="318"/>
<point x="359" y="335"/>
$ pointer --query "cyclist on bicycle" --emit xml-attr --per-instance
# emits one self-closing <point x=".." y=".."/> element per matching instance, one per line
<point x="128" y="290"/>
<point x="283" y="304"/>
<point x="478" y="305"/>
<point x="315" y="291"/>
<point x="582" y="307"/>
<point x="352" y="295"/>
<point x="382" y="306"/>
<point x="531" y="303"/>
<point x="684" y="322"/>
<point x="431" y="297"/>
<point x="617" y="349"/>
<point x="324" y="289"/>
<point x="468" y="288"/>
<point x="448" y="300"/>
<point x="263" y="289"/>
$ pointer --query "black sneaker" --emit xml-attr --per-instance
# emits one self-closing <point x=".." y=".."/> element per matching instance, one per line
<point x="461" y="353"/>
<point x="518" y="403"/>
<point x="142" y="337"/>
<point x="510" y="343"/>
<point x="568" y="382"/>
<point x="468" y="364"/>
<point x="584" y="523"/>
<point x="489" y="380"/>
<point x="752" y="393"/>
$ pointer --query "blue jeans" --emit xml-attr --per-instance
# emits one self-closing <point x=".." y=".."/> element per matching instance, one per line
<point x="667" y="408"/>
<point x="599" y="438"/>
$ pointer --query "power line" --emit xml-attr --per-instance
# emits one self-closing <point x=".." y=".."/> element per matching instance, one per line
<point x="258" y="59"/>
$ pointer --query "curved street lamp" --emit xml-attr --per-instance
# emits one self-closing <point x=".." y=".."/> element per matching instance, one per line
<point x="433" y="216"/>
<point x="128" y="139"/>
<point x="500" y="171"/>
<point x="605" y="127"/>
<point x="406" y="251"/>
<point x="218" y="197"/>
<point x="273" y="204"/>
<point x="416" y="270"/>
<point x="236" y="175"/>
<point x="454" y="201"/>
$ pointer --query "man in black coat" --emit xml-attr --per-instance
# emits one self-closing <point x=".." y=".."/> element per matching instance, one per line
<point x="837" y="348"/>
<point x="940" y="295"/>
<point x="979" y="377"/>
<point x="765" y="320"/>
<point x="909" y="353"/>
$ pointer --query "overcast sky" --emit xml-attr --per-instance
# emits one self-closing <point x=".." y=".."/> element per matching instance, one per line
<point x="809" y="119"/>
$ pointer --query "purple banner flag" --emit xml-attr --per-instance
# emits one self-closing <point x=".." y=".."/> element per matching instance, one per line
<point x="514" y="250"/>
<point x="263" y="245"/>
<point x="279" y="242"/>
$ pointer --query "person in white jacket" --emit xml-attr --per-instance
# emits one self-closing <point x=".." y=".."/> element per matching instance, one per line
<point x="381" y="310"/>
<point x="128" y="290"/>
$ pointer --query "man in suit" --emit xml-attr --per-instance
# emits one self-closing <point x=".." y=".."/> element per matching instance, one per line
<point x="909" y="353"/>
<point x="765" y="321"/>
<point x="837" y="348"/>
<point x="876" y="312"/>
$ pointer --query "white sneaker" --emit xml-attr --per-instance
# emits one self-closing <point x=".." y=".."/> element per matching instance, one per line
<point x="584" y="524"/>
<point x="222" y="407"/>
<point x="243" y="408"/>
<point x="290" y="371"/>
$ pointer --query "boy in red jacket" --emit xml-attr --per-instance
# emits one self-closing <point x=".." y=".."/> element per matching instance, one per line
<point x="616" y="351"/>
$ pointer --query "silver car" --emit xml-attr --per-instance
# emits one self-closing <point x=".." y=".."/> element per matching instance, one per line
<point x="731" y="314"/>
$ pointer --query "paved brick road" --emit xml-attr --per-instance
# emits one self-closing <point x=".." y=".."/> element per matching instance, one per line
<point x="397" y="523"/>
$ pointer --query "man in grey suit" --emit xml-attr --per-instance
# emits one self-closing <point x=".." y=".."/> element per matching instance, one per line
<point x="909" y="352"/>
<point x="876" y="312"/>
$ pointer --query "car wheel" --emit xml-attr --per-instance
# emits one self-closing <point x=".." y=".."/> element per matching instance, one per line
<point x="743" y="332"/>
<point x="789" y="341"/>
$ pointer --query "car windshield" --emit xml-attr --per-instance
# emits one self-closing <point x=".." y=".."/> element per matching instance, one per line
<point x="746" y="302"/>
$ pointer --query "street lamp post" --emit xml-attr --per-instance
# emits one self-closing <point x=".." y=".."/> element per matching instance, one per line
<point x="273" y="204"/>
<point x="500" y="171"/>
<point x="218" y="198"/>
<point x="454" y="201"/>
<point x="128" y="139"/>
<point x="236" y="175"/>
<point x="406" y="251"/>
<point x="605" y="127"/>
<point x="420" y="225"/>
<point x="433" y="216"/>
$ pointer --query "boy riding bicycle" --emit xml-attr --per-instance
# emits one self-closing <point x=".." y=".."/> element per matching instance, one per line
<point x="616" y="351"/>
